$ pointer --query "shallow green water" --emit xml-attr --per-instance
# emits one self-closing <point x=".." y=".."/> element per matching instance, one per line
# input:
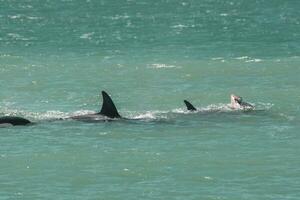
<point x="57" y="56"/>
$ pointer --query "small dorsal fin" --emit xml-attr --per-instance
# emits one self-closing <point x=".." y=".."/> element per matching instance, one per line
<point x="108" y="107"/>
<point x="189" y="106"/>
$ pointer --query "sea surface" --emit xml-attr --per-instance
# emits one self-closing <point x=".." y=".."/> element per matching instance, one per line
<point x="56" y="56"/>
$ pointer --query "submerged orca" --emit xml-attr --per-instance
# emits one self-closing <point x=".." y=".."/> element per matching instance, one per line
<point x="236" y="103"/>
<point x="13" y="121"/>
<point x="108" y="111"/>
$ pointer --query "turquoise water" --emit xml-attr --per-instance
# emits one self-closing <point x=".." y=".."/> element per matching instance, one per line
<point x="57" y="56"/>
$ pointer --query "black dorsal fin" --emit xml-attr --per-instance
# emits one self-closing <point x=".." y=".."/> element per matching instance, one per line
<point x="108" y="107"/>
<point x="189" y="106"/>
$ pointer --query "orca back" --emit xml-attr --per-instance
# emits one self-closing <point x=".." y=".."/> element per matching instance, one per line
<point x="15" y="121"/>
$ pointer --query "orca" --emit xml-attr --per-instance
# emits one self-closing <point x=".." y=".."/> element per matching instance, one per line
<point x="13" y="121"/>
<point x="189" y="106"/>
<point x="108" y="111"/>
<point x="238" y="103"/>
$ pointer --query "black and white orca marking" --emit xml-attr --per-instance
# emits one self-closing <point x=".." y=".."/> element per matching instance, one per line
<point x="238" y="103"/>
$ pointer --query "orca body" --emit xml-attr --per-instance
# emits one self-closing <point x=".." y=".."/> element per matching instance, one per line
<point x="108" y="111"/>
<point x="13" y="121"/>
<point x="238" y="103"/>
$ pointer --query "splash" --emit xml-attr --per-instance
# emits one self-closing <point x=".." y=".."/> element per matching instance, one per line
<point x="147" y="115"/>
<point x="35" y="116"/>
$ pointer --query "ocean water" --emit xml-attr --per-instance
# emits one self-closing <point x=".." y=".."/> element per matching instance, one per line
<point x="57" y="56"/>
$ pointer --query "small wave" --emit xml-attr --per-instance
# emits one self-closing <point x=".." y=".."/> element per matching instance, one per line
<point x="220" y="59"/>
<point x="22" y="17"/>
<point x="181" y="111"/>
<point x="242" y="58"/>
<point x="148" y="115"/>
<point x="5" y="55"/>
<point x="217" y="58"/>
<point x="82" y="112"/>
<point x="217" y="108"/>
<point x="158" y="66"/>
<point x="182" y="26"/>
<point x="117" y="17"/>
<point x="224" y="14"/>
<point x="288" y="117"/>
<point x="263" y="106"/>
<point x="248" y="59"/>
<point x="14" y="16"/>
<point x="33" y="18"/>
<point x="16" y="36"/>
<point x="254" y="60"/>
<point x="48" y="115"/>
<point x="87" y="36"/>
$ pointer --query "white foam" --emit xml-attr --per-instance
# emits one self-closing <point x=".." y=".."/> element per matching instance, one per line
<point x="254" y="60"/>
<point x="33" y="115"/>
<point x="263" y="106"/>
<point x="288" y="117"/>
<point x="148" y="115"/>
<point x="14" y="16"/>
<point x="33" y="18"/>
<point x="117" y="17"/>
<point x="180" y="110"/>
<point x="242" y="58"/>
<point x="82" y="112"/>
<point x="217" y="58"/>
<point x="17" y="36"/>
<point x="160" y="65"/>
<point x="224" y="14"/>
<point x="87" y="36"/>
<point x="180" y="26"/>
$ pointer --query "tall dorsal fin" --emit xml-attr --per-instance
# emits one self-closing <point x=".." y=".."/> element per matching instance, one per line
<point x="108" y="107"/>
<point x="189" y="106"/>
